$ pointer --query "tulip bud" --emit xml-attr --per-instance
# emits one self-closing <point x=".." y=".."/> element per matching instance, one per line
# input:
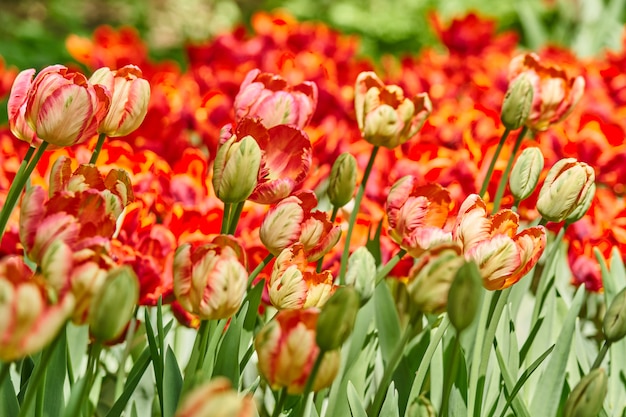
<point x="342" y="180"/>
<point x="465" y="296"/>
<point x="565" y="189"/>
<point x="584" y="205"/>
<point x="430" y="278"/>
<point x="615" y="318"/>
<point x="421" y="407"/>
<point x="587" y="397"/>
<point x="130" y="94"/>
<point x="336" y="320"/>
<point x="517" y="103"/>
<point x="362" y="273"/>
<point x="236" y="169"/>
<point x="114" y="304"/>
<point x="287" y="350"/>
<point x="525" y="173"/>
<point x="216" y="398"/>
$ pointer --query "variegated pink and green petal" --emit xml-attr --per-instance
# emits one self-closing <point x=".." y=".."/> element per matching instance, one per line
<point x="225" y="287"/>
<point x="425" y="238"/>
<point x="497" y="258"/>
<point x="223" y="241"/>
<point x="329" y="240"/>
<point x="183" y="268"/>
<point x="364" y="82"/>
<point x="282" y="225"/>
<point x="398" y="194"/>
<point x="118" y="181"/>
<point x="287" y="288"/>
<point x="531" y="243"/>
<point x="60" y="174"/>
<point x="56" y="226"/>
<point x="87" y="279"/>
<point x="32" y="211"/>
<point x="472" y="224"/>
<point x="56" y="265"/>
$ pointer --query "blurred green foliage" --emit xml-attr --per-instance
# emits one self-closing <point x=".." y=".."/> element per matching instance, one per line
<point x="33" y="32"/>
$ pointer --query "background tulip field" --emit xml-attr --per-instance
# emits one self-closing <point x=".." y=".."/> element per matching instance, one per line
<point x="272" y="208"/>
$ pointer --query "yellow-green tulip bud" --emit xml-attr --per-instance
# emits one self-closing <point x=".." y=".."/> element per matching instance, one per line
<point x="525" y="173"/>
<point x="565" y="189"/>
<point x="336" y="320"/>
<point x="583" y="207"/>
<point x="465" y="296"/>
<point x="114" y="304"/>
<point x="362" y="273"/>
<point x="236" y="169"/>
<point x="587" y="397"/>
<point x="517" y="103"/>
<point x="342" y="180"/>
<point x="614" y="324"/>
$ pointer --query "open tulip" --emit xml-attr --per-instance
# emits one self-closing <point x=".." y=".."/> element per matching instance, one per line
<point x="292" y="285"/>
<point x="16" y="107"/>
<point x="293" y="220"/>
<point x="210" y="280"/>
<point x="287" y="350"/>
<point x="216" y="398"/>
<point x="385" y="117"/>
<point x="502" y="254"/>
<point x="554" y="93"/>
<point x="130" y="94"/>
<point x="62" y="107"/>
<point x="269" y="97"/>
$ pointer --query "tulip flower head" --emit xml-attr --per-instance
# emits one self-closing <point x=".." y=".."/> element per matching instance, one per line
<point x="293" y="220"/>
<point x="554" y="93"/>
<point x="130" y="94"/>
<point x="502" y="254"/>
<point x="287" y="350"/>
<point x="210" y="280"/>
<point x="60" y="106"/>
<point x="216" y="398"/>
<point x="268" y="97"/>
<point x="385" y="116"/>
<point x="294" y="285"/>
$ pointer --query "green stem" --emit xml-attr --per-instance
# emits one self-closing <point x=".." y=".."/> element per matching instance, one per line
<point x="98" y="148"/>
<point x="545" y="279"/>
<point x="38" y="375"/>
<point x="492" y="165"/>
<point x="447" y="388"/>
<point x="90" y="374"/>
<point x="309" y="384"/>
<point x="121" y="371"/>
<point x="333" y="216"/>
<point x="203" y="334"/>
<point x="226" y="218"/>
<point x="353" y="215"/>
<point x="278" y="407"/>
<point x="505" y="175"/>
<point x="390" y="368"/>
<point x="22" y="175"/>
<point x="4" y="372"/>
<point x="234" y="219"/>
<point x="601" y="355"/>
<point x="385" y="270"/>
<point x="259" y="268"/>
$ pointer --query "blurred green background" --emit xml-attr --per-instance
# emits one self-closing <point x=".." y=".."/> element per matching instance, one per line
<point x="33" y="32"/>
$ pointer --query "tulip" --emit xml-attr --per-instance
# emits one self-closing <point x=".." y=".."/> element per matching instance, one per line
<point x="430" y="278"/>
<point x="554" y="93"/>
<point x="588" y="395"/>
<point x="416" y="214"/>
<point x="236" y="168"/>
<point x="292" y="286"/>
<point x="293" y="220"/>
<point x="517" y="103"/>
<point x="525" y="174"/>
<point x="130" y="94"/>
<point x="362" y="273"/>
<point x="464" y="296"/>
<point x="566" y="189"/>
<point x="285" y="158"/>
<point x="336" y="320"/>
<point x="385" y="117"/>
<point x="28" y="319"/>
<point x="210" y="280"/>
<point x="342" y="180"/>
<point x="614" y="323"/>
<point x="503" y="255"/>
<point x="287" y="350"/>
<point x="62" y="107"/>
<point x="216" y="398"/>
<point x="268" y="97"/>
<point x="16" y="107"/>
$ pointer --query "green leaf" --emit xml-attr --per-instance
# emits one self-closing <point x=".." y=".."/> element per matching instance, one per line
<point x="254" y="299"/>
<point x="9" y="405"/>
<point x="387" y="320"/>
<point x="529" y="341"/>
<point x="373" y="245"/>
<point x="364" y="320"/>
<point x="552" y="379"/>
<point x="390" y="406"/>
<point x="356" y="407"/>
<point x="157" y="360"/>
<point x="55" y="379"/>
<point x="173" y="383"/>
<point x="134" y="376"/>
<point x="227" y="362"/>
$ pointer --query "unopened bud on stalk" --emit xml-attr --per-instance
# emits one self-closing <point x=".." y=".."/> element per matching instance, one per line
<point x="464" y="296"/>
<point x="565" y="189"/>
<point x="614" y="324"/>
<point x="342" y="180"/>
<point x="336" y="320"/>
<point x="236" y="169"/>
<point x="525" y="173"/>
<point x="114" y="304"/>
<point x="587" y="397"/>
<point x="517" y="103"/>
<point x="362" y="273"/>
<point x="584" y="205"/>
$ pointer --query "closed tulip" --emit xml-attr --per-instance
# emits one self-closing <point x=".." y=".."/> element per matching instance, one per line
<point x="216" y="398"/>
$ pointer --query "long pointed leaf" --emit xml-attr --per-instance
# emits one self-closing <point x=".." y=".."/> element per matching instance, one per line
<point x="172" y="383"/>
<point x="356" y="407"/>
